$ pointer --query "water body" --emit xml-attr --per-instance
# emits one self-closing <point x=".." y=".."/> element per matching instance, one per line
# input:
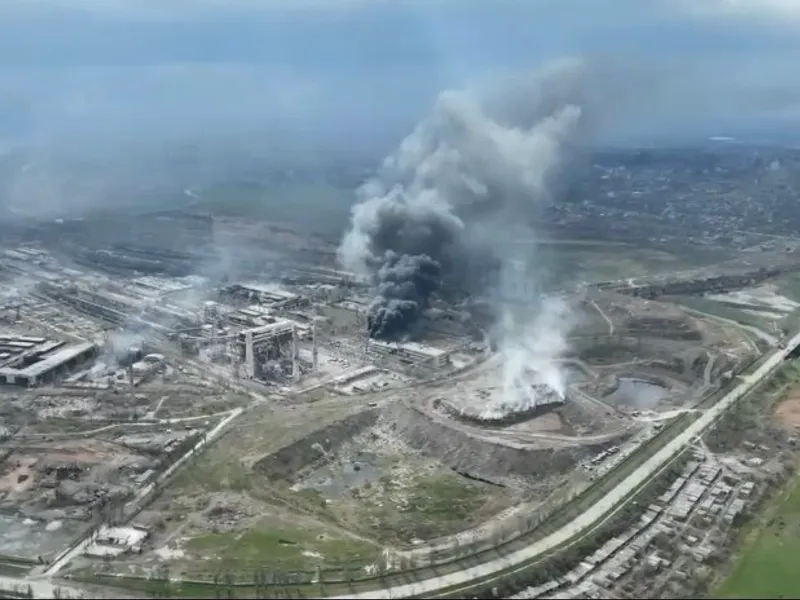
<point x="642" y="394"/>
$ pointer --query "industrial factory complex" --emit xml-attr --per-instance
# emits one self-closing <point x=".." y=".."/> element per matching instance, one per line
<point x="176" y="424"/>
<point x="112" y="379"/>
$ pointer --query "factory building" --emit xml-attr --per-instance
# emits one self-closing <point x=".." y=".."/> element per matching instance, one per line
<point x="410" y="352"/>
<point x="275" y="343"/>
<point x="29" y="361"/>
<point x="119" y="309"/>
<point x="264" y="295"/>
<point x="90" y="302"/>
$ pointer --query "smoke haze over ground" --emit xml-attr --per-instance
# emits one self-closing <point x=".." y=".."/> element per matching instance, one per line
<point x="532" y="337"/>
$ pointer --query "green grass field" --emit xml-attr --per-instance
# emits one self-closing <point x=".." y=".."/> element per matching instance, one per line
<point x="768" y="566"/>
<point x="569" y="261"/>
<point x="432" y="506"/>
<point x="284" y="549"/>
<point x="719" y="309"/>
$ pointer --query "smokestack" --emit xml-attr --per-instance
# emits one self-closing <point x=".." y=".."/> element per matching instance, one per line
<point x="314" y="351"/>
<point x="249" y="355"/>
<point x="295" y="368"/>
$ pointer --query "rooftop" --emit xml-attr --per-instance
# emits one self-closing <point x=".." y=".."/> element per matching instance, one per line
<point x="412" y="347"/>
<point x="267" y="288"/>
<point x="52" y="361"/>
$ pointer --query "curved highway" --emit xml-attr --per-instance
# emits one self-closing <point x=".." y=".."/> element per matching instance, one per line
<point x="595" y="514"/>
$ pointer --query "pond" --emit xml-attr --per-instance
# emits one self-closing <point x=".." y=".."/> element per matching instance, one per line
<point x="644" y="395"/>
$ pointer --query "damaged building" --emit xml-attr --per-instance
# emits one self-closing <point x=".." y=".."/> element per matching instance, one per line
<point x="28" y="361"/>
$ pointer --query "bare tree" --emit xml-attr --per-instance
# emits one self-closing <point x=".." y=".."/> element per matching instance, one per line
<point x="216" y="579"/>
<point x="258" y="583"/>
<point x="164" y="579"/>
<point x="229" y="581"/>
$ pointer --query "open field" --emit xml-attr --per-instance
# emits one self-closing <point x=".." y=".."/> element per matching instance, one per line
<point x="767" y="567"/>
<point x="789" y="284"/>
<point x="219" y="512"/>
<point x="398" y="496"/>
<point x="237" y="505"/>
<point x="323" y="208"/>
<point x="726" y="311"/>
<point x="570" y="509"/>
<point x="788" y="412"/>
<point x="765" y="558"/>
<point x="573" y="262"/>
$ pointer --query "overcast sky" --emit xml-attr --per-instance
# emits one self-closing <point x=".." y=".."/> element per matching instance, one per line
<point x="135" y="71"/>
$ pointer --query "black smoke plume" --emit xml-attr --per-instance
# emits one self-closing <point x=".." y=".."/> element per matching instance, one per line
<point x="442" y="206"/>
<point x="405" y="283"/>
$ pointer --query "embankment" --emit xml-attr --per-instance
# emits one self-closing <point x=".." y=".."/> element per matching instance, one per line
<point x="482" y="457"/>
<point x="291" y="461"/>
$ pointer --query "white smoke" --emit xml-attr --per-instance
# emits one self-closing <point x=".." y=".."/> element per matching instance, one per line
<point x="13" y="292"/>
<point x="531" y="342"/>
<point x="121" y="343"/>
<point x="442" y="204"/>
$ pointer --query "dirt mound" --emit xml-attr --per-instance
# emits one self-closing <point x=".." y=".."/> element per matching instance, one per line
<point x="661" y="327"/>
<point x="289" y="462"/>
<point x="512" y="417"/>
<point x="482" y="458"/>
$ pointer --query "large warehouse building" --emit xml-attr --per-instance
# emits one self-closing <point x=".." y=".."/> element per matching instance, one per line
<point x="29" y="361"/>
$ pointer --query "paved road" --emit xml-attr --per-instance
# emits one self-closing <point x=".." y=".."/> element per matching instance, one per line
<point x="41" y="588"/>
<point x="598" y="511"/>
<point x="605" y="317"/>
<point x="50" y="437"/>
<point x="759" y="333"/>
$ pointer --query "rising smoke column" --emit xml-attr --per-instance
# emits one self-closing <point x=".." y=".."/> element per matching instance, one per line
<point x="405" y="284"/>
<point x="440" y="205"/>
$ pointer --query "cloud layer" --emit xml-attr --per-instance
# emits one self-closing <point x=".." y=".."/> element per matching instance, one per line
<point x="137" y="72"/>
